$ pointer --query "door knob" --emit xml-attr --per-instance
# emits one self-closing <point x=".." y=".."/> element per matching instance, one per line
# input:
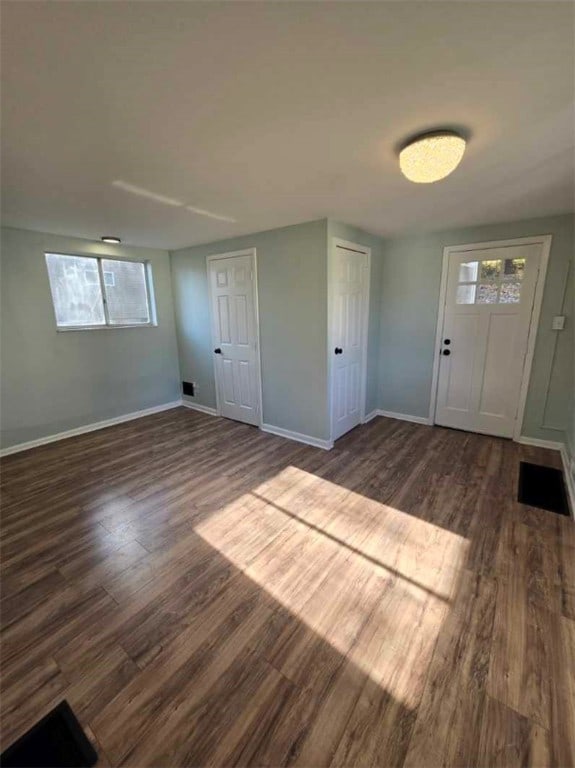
<point x="446" y="352"/>
<point x="338" y="351"/>
<point x="218" y="351"/>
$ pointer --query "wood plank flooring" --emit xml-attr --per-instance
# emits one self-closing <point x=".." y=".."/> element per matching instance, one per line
<point x="204" y="594"/>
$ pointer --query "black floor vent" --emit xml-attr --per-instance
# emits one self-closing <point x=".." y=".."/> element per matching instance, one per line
<point x="542" y="487"/>
<point x="56" y="741"/>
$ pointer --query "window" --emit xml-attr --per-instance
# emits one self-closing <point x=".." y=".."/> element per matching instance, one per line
<point x="94" y="292"/>
<point x="492" y="281"/>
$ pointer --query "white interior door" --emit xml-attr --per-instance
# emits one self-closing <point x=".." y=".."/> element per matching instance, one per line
<point x="349" y="275"/>
<point x="235" y="335"/>
<point x="487" y="314"/>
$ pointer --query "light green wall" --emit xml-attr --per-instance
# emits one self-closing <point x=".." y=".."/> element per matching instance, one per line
<point x="292" y="286"/>
<point x="571" y="427"/>
<point x="570" y="441"/>
<point x="359" y="236"/>
<point x="409" y="305"/>
<point x="54" y="381"/>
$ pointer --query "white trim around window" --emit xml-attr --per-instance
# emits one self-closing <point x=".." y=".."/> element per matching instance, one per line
<point x="104" y="297"/>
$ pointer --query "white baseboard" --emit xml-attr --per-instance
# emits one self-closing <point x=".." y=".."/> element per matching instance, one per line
<point x="200" y="408"/>
<point x="536" y="442"/>
<point x="270" y="428"/>
<point x="569" y="479"/>
<point x="404" y="417"/>
<point x="301" y="438"/>
<point x="297" y="436"/>
<point x="88" y="428"/>
<point x="370" y="416"/>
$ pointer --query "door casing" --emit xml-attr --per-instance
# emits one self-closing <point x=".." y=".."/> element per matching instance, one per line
<point x="216" y="257"/>
<point x="545" y="242"/>
<point x="335" y="242"/>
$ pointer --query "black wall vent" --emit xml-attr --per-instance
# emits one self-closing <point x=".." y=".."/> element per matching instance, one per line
<point x="188" y="388"/>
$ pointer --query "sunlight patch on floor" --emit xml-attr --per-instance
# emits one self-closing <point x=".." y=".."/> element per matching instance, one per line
<point x="371" y="580"/>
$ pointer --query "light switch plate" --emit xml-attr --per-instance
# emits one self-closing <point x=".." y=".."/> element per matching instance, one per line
<point x="558" y="323"/>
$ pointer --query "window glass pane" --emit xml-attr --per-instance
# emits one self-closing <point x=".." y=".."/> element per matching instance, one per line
<point x="487" y="293"/>
<point x="510" y="292"/>
<point x="490" y="269"/>
<point x="126" y="293"/>
<point x="514" y="268"/>
<point x="76" y="290"/>
<point x="468" y="272"/>
<point x="466" y="294"/>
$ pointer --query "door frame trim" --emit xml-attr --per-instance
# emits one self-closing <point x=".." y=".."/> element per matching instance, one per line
<point x="545" y="242"/>
<point x="364" y="249"/>
<point x="230" y="255"/>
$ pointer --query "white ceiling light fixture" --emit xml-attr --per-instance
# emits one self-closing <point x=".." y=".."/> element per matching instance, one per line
<point x="110" y="239"/>
<point x="431" y="156"/>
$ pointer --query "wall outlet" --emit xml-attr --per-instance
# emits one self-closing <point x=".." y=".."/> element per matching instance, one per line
<point x="558" y="323"/>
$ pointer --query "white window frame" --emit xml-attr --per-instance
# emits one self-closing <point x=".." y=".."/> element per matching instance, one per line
<point x="107" y="326"/>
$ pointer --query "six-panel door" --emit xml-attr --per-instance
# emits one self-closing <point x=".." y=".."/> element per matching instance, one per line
<point x="348" y="285"/>
<point x="235" y="337"/>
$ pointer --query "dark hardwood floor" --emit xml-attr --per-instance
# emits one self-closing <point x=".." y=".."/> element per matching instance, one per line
<point x="203" y="593"/>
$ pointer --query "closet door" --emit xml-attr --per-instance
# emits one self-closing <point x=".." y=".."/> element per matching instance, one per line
<point x="348" y="301"/>
<point x="234" y="319"/>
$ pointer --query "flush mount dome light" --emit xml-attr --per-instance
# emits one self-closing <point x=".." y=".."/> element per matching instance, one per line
<point x="110" y="239"/>
<point x="431" y="156"/>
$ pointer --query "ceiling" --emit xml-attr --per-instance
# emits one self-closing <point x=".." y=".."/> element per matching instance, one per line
<point x="276" y="113"/>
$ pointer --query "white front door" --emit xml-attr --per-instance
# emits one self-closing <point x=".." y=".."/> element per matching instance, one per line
<point x="235" y="335"/>
<point x="347" y="334"/>
<point x="487" y="313"/>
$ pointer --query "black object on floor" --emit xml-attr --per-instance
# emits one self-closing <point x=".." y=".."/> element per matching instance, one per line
<point x="56" y="741"/>
<point x="542" y="487"/>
